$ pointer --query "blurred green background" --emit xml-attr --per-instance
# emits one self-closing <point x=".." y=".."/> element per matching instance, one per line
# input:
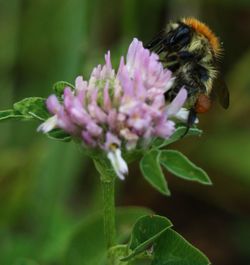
<point x="48" y="189"/>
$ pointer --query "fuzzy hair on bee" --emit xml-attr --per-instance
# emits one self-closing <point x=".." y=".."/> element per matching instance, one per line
<point x="191" y="51"/>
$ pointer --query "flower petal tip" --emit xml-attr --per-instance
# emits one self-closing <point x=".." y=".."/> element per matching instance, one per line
<point x="119" y="164"/>
<point x="48" y="125"/>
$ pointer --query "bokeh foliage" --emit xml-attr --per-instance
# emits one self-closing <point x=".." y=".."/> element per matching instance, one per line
<point x="48" y="188"/>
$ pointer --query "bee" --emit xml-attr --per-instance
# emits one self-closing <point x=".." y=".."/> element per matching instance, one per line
<point x="192" y="52"/>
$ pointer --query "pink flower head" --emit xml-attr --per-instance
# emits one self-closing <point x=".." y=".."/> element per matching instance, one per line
<point x="114" y="109"/>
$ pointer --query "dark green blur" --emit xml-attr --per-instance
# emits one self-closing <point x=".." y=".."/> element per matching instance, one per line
<point x="48" y="188"/>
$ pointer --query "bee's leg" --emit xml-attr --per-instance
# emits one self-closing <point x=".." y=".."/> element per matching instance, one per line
<point x="193" y="90"/>
<point x="156" y="41"/>
<point x="190" y="121"/>
<point x="174" y="67"/>
<point x="186" y="56"/>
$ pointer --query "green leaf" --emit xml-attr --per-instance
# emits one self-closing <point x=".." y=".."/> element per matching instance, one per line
<point x="132" y="155"/>
<point x="27" y="109"/>
<point x="172" y="249"/>
<point x="179" y="165"/>
<point x="87" y="245"/>
<point x="146" y="230"/>
<point x="59" y="135"/>
<point x="59" y="87"/>
<point x="115" y="253"/>
<point x="151" y="170"/>
<point x="10" y="114"/>
<point x="33" y="107"/>
<point x="178" y="134"/>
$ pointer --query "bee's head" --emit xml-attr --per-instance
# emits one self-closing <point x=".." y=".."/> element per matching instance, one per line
<point x="202" y="29"/>
<point x="179" y="35"/>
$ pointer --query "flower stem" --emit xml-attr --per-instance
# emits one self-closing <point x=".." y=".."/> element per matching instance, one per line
<point x="108" y="189"/>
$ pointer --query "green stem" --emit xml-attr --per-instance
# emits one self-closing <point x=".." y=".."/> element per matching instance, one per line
<point x="108" y="188"/>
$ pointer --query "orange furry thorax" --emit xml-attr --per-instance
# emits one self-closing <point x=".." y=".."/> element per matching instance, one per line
<point x="205" y="31"/>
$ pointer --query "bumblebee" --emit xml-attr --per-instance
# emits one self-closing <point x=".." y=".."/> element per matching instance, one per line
<point x="192" y="52"/>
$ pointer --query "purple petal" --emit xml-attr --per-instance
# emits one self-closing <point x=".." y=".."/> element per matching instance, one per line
<point x="129" y="135"/>
<point x="106" y="98"/>
<point x="165" y="130"/>
<point x="68" y="98"/>
<point x="80" y="83"/>
<point x="132" y="50"/>
<point x="139" y="88"/>
<point x="97" y="113"/>
<point x="88" y="138"/>
<point x="53" y="104"/>
<point x="94" y="129"/>
<point x="112" y="119"/>
<point x="177" y="103"/>
<point x="108" y="61"/>
<point x="111" y="140"/>
<point x="79" y="114"/>
<point x="126" y="82"/>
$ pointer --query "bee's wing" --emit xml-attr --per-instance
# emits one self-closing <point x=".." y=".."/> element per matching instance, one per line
<point x="221" y="91"/>
<point x="160" y="45"/>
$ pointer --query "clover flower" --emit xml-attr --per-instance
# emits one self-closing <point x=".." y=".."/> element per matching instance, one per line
<point x="112" y="109"/>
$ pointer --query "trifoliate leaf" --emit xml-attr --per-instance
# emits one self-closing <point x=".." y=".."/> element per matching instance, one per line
<point x="179" y="165"/>
<point x="33" y="107"/>
<point x="151" y="170"/>
<point x="146" y="230"/>
<point x="60" y="135"/>
<point x="171" y="248"/>
<point x="177" y="135"/>
<point x="10" y="114"/>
